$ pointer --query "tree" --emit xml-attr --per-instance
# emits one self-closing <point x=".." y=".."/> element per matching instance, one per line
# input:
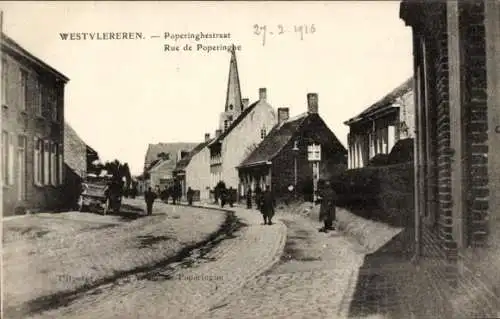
<point x="120" y="174"/>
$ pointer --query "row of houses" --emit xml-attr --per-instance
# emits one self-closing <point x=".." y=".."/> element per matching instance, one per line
<point x="254" y="145"/>
<point x="43" y="158"/>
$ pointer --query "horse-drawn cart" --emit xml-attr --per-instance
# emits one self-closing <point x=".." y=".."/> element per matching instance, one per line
<point x="100" y="193"/>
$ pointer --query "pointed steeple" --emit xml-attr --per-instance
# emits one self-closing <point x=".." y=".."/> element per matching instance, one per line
<point x="233" y="96"/>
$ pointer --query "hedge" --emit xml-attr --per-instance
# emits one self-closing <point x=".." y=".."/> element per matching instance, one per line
<point x="379" y="192"/>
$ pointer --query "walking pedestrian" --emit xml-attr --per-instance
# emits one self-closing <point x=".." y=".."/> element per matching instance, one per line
<point x="223" y="196"/>
<point x="189" y="195"/>
<point x="249" y="197"/>
<point x="230" y="196"/>
<point x="149" y="197"/>
<point x="327" y="213"/>
<point x="267" y="204"/>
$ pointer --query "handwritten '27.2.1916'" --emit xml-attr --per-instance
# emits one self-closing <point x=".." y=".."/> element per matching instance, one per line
<point x="300" y="30"/>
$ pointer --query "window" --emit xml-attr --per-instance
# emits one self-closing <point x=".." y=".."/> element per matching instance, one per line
<point x="230" y="106"/>
<point x="46" y="163"/>
<point x="53" y="104"/>
<point x="314" y="152"/>
<point x="5" y="72"/>
<point x="38" y="98"/>
<point x="61" y="164"/>
<point x="263" y="133"/>
<point x="226" y="124"/>
<point x="38" y="162"/>
<point x="23" y="87"/>
<point x="53" y="164"/>
<point x="21" y="167"/>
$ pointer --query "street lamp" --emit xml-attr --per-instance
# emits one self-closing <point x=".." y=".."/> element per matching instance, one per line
<point x="295" y="150"/>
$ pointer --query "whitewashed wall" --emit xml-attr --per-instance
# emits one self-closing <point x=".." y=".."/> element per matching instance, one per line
<point x="247" y="133"/>
<point x="198" y="173"/>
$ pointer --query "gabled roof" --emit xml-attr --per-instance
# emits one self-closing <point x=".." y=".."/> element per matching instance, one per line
<point x="12" y="46"/>
<point x="235" y="123"/>
<point x="183" y="163"/>
<point x="274" y="142"/>
<point x="75" y="150"/>
<point x="169" y="148"/>
<point x="384" y="103"/>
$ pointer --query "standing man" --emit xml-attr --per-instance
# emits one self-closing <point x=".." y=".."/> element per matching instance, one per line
<point x="327" y="209"/>
<point x="258" y="195"/>
<point x="249" y="197"/>
<point x="230" y="196"/>
<point x="149" y="197"/>
<point x="189" y="195"/>
<point x="267" y="206"/>
<point x="223" y="196"/>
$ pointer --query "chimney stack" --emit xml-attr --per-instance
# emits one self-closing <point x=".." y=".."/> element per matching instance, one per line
<point x="312" y="103"/>
<point x="207" y="137"/>
<point x="245" y="103"/>
<point x="283" y="114"/>
<point x="218" y="133"/>
<point x="262" y="94"/>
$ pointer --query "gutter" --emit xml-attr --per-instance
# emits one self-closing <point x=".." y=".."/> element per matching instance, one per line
<point x="259" y="163"/>
<point x="372" y="116"/>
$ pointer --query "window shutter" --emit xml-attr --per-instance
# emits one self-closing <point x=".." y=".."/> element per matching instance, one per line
<point x="61" y="164"/>
<point x="36" y="159"/>
<point x="53" y="165"/>
<point x="11" y="159"/>
<point x="46" y="163"/>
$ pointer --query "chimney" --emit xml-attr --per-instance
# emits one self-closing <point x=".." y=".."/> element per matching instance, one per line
<point x="283" y="114"/>
<point x="218" y="133"/>
<point x="207" y="137"/>
<point x="245" y="103"/>
<point x="312" y="103"/>
<point x="262" y="94"/>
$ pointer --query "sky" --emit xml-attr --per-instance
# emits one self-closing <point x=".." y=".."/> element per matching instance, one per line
<point x="124" y="94"/>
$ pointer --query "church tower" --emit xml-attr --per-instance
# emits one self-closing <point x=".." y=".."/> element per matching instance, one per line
<point x="234" y="105"/>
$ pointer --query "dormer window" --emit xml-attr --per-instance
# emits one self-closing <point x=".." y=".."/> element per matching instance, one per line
<point x="263" y="133"/>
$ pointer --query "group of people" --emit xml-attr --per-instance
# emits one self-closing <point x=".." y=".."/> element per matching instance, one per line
<point x="265" y="202"/>
<point x="225" y="195"/>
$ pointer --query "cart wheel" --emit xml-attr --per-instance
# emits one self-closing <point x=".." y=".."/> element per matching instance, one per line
<point x="106" y="207"/>
<point x="81" y="208"/>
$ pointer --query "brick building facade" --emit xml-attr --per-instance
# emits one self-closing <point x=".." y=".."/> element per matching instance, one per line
<point x="457" y="64"/>
<point x="32" y="98"/>
<point x="297" y="152"/>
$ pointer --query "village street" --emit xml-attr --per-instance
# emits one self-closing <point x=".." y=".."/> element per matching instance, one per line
<point x="120" y="269"/>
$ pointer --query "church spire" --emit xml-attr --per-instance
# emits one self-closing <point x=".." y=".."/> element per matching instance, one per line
<point x="233" y="96"/>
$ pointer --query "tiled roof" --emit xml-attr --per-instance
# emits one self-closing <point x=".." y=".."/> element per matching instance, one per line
<point x="385" y="102"/>
<point x="183" y="163"/>
<point x="13" y="46"/>
<point x="235" y="123"/>
<point x="272" y="144"/>
<point x="75" y="151"/>
<point x="168" y="148"/>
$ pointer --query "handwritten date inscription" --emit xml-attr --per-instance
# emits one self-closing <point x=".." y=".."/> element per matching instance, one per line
<point x="300" y="30"/>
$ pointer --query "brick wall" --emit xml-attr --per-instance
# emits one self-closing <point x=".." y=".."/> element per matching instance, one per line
<point x="26" y="123"/>
<point x="475" y="99"/>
